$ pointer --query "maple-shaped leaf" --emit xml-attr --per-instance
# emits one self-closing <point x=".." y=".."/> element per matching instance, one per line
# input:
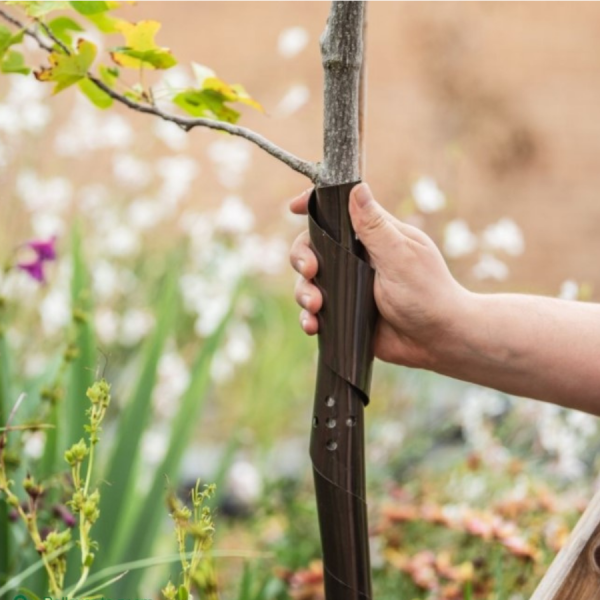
<point x="212" y="98"/>
<point x="66" y="70"/>
<point x="140" y="49"/>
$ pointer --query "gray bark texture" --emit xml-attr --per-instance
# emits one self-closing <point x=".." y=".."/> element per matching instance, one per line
<point x="342" y="54"/>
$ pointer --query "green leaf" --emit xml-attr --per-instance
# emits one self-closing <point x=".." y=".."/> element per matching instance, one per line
<point x="66" y="70"/>
<point x="97" y="96"/>
<point x="6" y="536"/>
<point x="109" y="75"/>
<point x="104" y="22"/>
<point x="90" y="8"/>
<point x="182" y="593"/>
<point x="206" y="103"/>
<point x="122" y="466"/>
<point x="14" y="62"/>
<point x="139" y="533"/>
<point x="39" y="9"/>
<point x="140" y="48"/>
<point x="210" y="100"/>
<point x="8" y="39"/>
<point x="61" y="26"/>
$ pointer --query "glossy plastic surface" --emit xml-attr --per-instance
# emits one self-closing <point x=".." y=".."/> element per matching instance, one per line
<point x="346" y="328"/>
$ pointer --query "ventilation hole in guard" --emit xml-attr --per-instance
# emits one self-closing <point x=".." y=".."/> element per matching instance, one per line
<point x="330" y="401"/>
<point x="351" y="421"/>
<point x="315" y="421"/>
<point x="329" y="422"/>
<point x="331" y="445"/>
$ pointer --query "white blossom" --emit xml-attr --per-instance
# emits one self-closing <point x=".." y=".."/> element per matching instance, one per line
<point x="173" y="380"/>
<point x="107" y="325"/>
<point x="234" y="216"/>
<point x="293" y="100"/>
<point x="292" y="41"/>
<point x="144" y="214"/>
<point x="135" y="325"/>
<point x="239" y="343"/>
<point x="489" y="267"/>
<point x="170" y="134"/>
<point x="569" y="290"/>
<point x="244" y="482"/>
<point x="427" y="195"/>
<point x="459" y="240"/>
<point x="131" y="171"/>
<point x="231" y="158"/>
<point x="504" y="235"/>
<point x="55" y="311"/>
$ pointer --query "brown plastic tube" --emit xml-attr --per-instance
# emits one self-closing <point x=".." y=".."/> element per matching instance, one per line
<point x="346" y="328"/>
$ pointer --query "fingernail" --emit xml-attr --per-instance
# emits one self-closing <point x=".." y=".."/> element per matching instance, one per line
<point x="300" y="264"/>
<point x="304" y="323"/>
<point x="305" y="300"/>
<point x="363" y="195"/>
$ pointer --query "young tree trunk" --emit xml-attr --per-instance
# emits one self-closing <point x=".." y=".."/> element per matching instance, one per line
<point x="346" y="320"/>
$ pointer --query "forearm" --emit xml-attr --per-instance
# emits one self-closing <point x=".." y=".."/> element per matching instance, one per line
<point x="531" y="346"/>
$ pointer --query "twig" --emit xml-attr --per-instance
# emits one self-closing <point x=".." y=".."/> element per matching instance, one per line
<point x="308" y="168"/>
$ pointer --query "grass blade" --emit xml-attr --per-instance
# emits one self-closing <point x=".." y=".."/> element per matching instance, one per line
<point x="144" y="530"/>
<point x="122" y="466"/>
<point x="5" y="393"/>
<point x="83" y="367"/>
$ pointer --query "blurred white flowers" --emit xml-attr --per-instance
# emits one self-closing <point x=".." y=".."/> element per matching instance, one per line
<point x="569" y="290"/>
<point x="427" y="195"/>
<point x="459" y="240"/>
<point x="231" y="157"/>
<point x="292" y="41"/>
<point x="293" y="100"/>
<point x="489" y="267"/>
<point x="505" y="235"/>
<point x="234" y="216"/>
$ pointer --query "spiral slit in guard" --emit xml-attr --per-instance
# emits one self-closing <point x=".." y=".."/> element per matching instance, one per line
<point x="346" y="328"/>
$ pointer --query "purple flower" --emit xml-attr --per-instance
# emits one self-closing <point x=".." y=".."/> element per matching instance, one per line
<point x="45" y="249"/>
<point x="35" y="269"/>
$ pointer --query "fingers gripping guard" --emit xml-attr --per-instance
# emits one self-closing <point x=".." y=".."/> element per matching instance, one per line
<point x="346" y="328"/>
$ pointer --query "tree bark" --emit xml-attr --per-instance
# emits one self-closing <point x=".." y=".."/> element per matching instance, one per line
<point x="342" y="55"/>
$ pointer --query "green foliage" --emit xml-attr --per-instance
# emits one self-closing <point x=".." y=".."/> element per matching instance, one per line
<point x="66" y="70"/>
<point x="10" y="60"/>
<point x="97" y="96"/>
<point x="39" y="9"/>
<point x="211" y="99"/>
<point x="61" y="28"/>
<point x="140" y="48"/>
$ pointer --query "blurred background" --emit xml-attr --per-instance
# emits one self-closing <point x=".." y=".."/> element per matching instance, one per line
<point x="483" y="128"/>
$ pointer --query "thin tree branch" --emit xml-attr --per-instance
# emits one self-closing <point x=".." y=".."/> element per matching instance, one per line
<point x="341" y="51"/>
<point x="308" y="168"/>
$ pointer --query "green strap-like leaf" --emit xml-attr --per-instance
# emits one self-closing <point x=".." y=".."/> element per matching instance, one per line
<point x="121" y="470"/>
<point x="139" y="536"/>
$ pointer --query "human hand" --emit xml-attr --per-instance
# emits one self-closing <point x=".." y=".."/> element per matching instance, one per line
<point x="419" y="302"/>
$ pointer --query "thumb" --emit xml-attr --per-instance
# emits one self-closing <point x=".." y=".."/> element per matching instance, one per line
<point x="371" y="222"/>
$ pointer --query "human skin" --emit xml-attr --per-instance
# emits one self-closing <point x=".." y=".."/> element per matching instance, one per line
<point x="532" y="346"/>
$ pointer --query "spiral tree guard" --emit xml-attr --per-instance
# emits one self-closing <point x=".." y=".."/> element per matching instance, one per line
<point x="346" y="327"/>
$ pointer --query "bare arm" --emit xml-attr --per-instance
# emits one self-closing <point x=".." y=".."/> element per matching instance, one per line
<point x="532" y="346"/>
